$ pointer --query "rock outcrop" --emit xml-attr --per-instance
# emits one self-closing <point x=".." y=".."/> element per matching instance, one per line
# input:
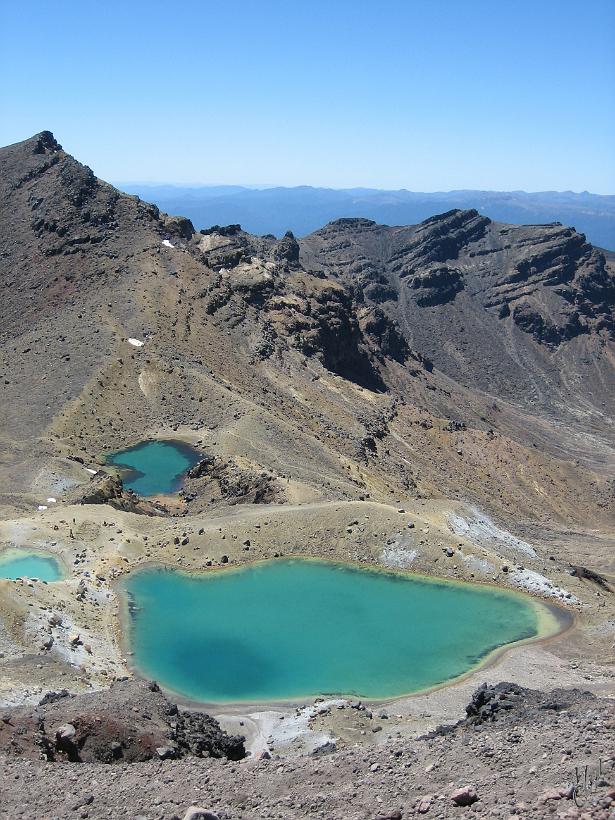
<point x="258" y="283"/>
<point x="489" y="304"/>
<point x="233" y="481"/>
<point x="129" y="723"/>
<point x="108" y="489"/>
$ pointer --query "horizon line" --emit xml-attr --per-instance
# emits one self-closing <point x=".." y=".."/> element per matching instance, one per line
<point x="271" y="186"/>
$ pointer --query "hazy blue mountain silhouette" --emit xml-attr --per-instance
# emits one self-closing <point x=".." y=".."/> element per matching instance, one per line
<point x="305" y="209"/>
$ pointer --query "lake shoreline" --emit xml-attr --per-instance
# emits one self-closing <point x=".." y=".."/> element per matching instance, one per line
<point x="552" y="622"/>
<point x="120" y="543"/>
<point x="175" y="476"/>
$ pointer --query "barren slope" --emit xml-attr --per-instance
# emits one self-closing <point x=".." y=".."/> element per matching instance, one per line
<point x="436" y="398"/>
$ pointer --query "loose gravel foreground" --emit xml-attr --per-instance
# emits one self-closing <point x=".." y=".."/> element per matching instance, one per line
<point x="514" y="755"/>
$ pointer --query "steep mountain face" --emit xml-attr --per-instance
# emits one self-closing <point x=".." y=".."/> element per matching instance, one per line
<point x="260" y="285"/>
<point x="361" y="360"/>
<point x="517" y="311"/>
<point x="66" y="214"/>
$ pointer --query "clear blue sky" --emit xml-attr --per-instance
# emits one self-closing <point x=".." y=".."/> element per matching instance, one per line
<point x="422" y="94"/>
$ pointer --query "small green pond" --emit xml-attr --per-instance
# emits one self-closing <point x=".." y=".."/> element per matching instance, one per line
<point x="295" y="628"/>
<point x="155" y="467"/>
<point x="17" y="563"/>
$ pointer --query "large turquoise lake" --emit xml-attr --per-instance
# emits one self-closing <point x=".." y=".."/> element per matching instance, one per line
<point x="154" y="467"/>
<point x="16" y="563"/>
<point x="296" y="628"/>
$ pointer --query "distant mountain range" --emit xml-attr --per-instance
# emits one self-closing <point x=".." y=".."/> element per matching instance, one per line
<point x="305" y="209"/>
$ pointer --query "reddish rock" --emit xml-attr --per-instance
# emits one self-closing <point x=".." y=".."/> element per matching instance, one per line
<point x="464" y="796"/>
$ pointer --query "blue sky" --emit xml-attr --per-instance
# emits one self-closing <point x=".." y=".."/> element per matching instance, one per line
<point x="421" y="94"/>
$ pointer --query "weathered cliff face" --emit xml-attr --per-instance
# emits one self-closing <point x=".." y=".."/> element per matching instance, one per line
<point x="259" y="284"/>
<point x="477" y="297"/>
<point x="548" y="272"/>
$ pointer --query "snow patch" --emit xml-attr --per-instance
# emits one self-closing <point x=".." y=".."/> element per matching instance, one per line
<point x="51" y="501"/>
<point x="91" y="471"/>
<point x="136" y="342"/>
<point x="42" y="507"/>
<point x="167" y="244"/>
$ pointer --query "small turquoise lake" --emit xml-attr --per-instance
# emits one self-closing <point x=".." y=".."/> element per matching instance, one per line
<point x="16" y="563"/>
<point x="297" y="628"/>
<point x="154" y="467"/>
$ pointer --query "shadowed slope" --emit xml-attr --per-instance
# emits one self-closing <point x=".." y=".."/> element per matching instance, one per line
<point x="429" y="359"/>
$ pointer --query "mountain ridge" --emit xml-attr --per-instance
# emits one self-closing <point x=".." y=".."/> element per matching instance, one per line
<point x="303" y="209"/>
<point x="398" y="311"/>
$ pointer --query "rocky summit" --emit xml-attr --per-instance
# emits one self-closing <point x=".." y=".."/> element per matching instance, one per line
<point x="437" y="398"/>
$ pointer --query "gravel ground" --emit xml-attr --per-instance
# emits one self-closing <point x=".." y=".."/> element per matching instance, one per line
<point x="516" y="752"/>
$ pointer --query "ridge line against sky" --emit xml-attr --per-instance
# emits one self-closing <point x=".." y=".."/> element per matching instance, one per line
<point x="204" y="186"/>
<point x="426" y="95"/>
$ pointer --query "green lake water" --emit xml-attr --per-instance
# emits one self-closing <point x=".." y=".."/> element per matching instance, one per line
<point x="295" y="628"/>
<point x="24" y="564"/>
<point x="154" y="467"/>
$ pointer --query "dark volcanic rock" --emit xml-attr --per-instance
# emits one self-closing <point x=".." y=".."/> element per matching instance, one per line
<point x="128" y="723"/>
<point x="103" y="489"/>
<point x="178" y="226"/>
<point x="590" y="575"/>
<point x="201" y="468"/>
<point x="235" y="483"/>
<point x="107" y="489"/>
<point x="488" y="701"/>
<point x="287" y="248"/>
<point x="459" y="286"/>
<point x="511" y="704"/>
<point x="293" y="308"/>
<point x="439" y="239"/>
<point x="384" y="335"/>
<point x="530" y="319"/>
<point x="436" y="285"/>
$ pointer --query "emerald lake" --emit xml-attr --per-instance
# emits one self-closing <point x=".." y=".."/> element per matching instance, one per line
<point x="154" y="467"/>
<point x="17" y="563"/>
<point x="296" y="628"/>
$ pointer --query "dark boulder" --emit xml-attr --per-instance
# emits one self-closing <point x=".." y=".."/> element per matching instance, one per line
<point x="178" y="226"/>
